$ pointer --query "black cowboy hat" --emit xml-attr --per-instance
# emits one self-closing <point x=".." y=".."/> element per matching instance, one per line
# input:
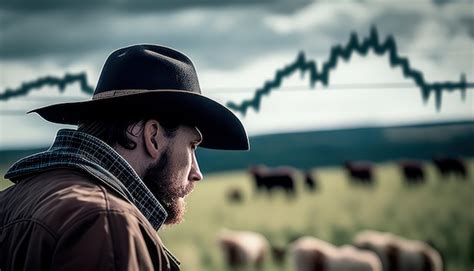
<point x="154" y="80"/>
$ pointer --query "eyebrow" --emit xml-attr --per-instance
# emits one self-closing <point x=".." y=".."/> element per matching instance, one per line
<point x="199" y="138"/>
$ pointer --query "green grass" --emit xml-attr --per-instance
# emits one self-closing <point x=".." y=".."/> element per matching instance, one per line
<point x="440" y="211"/>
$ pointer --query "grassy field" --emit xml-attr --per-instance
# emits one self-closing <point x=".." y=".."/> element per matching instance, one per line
<point x="440" y="211"/>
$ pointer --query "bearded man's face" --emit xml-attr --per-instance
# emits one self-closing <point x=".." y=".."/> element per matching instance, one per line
<point x="171" y="178"/>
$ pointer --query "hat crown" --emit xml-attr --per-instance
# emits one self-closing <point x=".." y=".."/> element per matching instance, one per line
<point x="147" y="67"/>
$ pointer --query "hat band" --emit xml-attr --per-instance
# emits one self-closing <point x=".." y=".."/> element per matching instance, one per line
<point x="127" y="92"/>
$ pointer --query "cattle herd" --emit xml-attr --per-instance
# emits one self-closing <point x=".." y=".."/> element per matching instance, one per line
<point x="369" y="251"/>
<point x="284" y="178"/>
<point x="413" y="171"/>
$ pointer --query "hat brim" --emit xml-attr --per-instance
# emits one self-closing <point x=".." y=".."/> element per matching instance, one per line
<point x="220" y="128"/>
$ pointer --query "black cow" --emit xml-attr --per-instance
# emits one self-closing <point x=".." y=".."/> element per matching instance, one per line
<point x="412" y="171"/>
<point x="359" y="172"/>
<point x="235" y="195"/>
<point x="451" y="166"/>
<point x="310" y="181"/>
<point x="280" y="178"/>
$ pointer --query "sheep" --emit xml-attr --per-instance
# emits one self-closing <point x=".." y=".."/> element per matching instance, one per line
<point x="399" y="254"/>
<point x="417" y="255"/>
<point x="243" y="248"/>
<point x="352" y="258"/>
<point x="312" y="254"/>
<point x="382" y="244"/>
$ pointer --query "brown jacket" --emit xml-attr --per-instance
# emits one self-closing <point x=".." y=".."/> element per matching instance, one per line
<point x="64" y="219"/>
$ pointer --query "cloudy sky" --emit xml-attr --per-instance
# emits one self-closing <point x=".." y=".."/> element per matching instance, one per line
<point x="237" y="46"/>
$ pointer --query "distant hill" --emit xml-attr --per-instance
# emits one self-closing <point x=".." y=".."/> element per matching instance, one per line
<point x="7" y="157"/>
<point x="333" y="147"/>
<point x="327" y="148"/>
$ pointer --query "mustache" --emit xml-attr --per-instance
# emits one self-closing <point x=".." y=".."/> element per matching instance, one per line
<point x="187" y="190"/>
<point x="171" y="199"/>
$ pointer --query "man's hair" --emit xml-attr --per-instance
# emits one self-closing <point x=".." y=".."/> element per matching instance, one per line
<point x="117" y="131"/>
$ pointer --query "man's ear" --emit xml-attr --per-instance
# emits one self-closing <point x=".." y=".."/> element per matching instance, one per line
<point x="151" y="135"/>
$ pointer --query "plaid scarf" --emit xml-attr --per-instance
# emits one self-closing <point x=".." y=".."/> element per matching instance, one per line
<point x="74" y="149"/>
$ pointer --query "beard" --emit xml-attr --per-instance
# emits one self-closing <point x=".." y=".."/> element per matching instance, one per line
<point x="159" y="179"/>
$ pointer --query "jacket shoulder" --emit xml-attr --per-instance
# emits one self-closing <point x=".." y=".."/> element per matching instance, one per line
<point x="60" y="198"/>
<point x="91" y="226"/>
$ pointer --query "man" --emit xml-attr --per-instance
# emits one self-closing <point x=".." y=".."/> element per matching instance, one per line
<point x="96" y="198"/>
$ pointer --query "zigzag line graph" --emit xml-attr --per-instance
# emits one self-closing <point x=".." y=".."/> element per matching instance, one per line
<point x="338" y="52"/>
<point x="61" y="83"/>
<point x="300" y="64"/>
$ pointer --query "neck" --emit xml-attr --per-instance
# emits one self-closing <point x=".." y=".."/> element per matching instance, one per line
<point x="134" y="158"/>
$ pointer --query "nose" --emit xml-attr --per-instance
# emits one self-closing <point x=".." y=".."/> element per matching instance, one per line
<point x="195" y="174"/>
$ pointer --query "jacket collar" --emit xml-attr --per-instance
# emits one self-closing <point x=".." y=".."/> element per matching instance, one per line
<point x="79" y="150"/>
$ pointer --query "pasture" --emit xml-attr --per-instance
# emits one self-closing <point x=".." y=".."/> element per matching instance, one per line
<point x="439" y="210"/>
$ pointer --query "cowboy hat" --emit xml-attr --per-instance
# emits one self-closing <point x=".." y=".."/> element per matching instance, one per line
<point x="154" y="80"/>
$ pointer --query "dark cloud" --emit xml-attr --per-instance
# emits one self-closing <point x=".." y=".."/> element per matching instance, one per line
<point x="217" y="37"/>
<point x="142" y="5"/>
<point x="227" y="37"/>
<point x="49" y="34"/>
<point x="402" y="22"/>
<point x="441" y="2"/>
<point x="468" y="23"/>
<point x="56" y="28"/>
<point x="447" y="2"/>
